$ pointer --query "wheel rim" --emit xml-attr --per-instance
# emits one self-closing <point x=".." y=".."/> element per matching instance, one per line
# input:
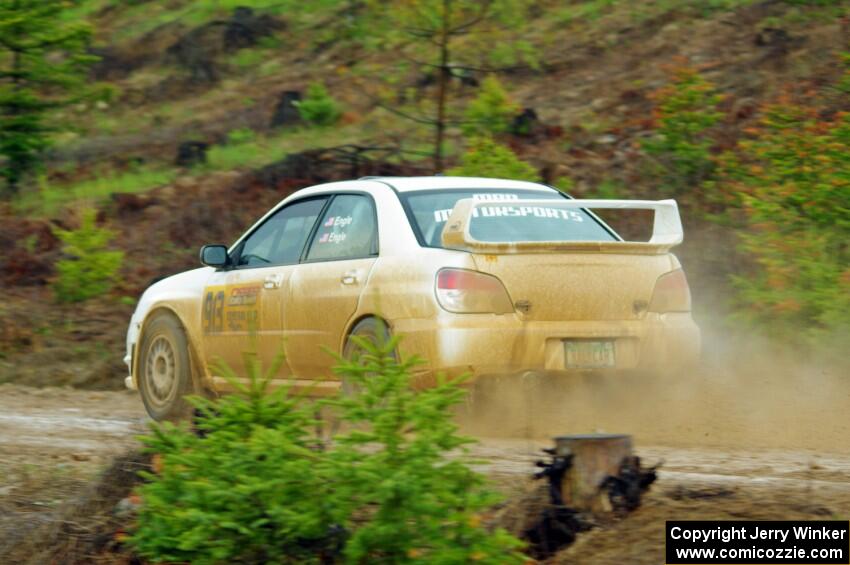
<point x="161" y="371"/>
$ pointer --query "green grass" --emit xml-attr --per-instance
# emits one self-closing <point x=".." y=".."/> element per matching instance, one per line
<point x="82" y="9"/>
<point x="583" y="11"/>
<point x="244" y="151"/>
<point x="136" y="20"/>
<point x="590" y="11"/>
<point x="131" y="19"/>
<point x="241" y="155"/>
<point x="800" y="13"/>
<point x="248" y="58"/>
<point x="50" y="198"/>
<point x="262" y="60"/>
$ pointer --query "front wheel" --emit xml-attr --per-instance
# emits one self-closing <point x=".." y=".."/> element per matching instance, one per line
<point x="165" y="373"/>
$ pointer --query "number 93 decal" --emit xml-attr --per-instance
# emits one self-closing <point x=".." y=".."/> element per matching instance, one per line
<point x="233" y="307"/>
<point x="213" y="315"/>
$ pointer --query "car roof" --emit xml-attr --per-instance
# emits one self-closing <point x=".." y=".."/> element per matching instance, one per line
<point x="409" y="184"/>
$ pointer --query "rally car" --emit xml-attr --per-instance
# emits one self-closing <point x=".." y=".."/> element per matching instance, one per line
<point x="480" y="276"/>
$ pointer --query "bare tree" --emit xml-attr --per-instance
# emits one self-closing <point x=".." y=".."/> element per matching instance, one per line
<point x="445" y="42"/>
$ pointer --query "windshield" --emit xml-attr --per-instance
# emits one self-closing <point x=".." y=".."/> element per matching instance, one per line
<point x="503" y="222"/>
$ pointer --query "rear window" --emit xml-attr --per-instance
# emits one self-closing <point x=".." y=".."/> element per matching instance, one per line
<point x="503" y="222"/>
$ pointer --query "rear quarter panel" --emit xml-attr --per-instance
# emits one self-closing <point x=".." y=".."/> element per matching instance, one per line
<point x="400" y="288"/>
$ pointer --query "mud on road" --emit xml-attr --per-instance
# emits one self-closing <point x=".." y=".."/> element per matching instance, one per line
<point x="53" y="442"/>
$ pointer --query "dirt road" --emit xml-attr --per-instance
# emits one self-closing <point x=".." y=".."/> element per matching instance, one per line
<point x="52" y="426"/>
<point x="53" y="440"/>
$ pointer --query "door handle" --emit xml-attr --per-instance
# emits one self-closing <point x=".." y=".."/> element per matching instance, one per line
<point x="349" y="278"/>
<point x="273" y="281"/>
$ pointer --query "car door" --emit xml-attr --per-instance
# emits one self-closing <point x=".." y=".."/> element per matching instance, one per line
<point x="243" y="305"/>
<point x="325" y="288"/>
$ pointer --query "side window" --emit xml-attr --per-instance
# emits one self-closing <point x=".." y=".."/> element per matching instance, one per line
<point x="280" y="239"/>
<point x="346" y="231"/>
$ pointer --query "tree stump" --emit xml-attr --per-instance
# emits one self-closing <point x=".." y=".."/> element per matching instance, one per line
<point x="286" y="111"/>
<point x="191" y="153"/>
<point x="595" y="457"/>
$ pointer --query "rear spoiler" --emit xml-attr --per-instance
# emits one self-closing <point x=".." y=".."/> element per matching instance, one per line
<point x="666" y="229"/>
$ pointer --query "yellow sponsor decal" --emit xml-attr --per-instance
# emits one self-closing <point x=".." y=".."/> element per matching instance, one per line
<point x="234" y="308"/>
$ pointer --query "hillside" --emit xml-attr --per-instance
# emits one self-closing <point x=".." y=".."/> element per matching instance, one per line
<point x="217" y="78"/>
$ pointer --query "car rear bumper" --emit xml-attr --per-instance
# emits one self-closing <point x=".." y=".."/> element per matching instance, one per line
<point x="484" y="344"/>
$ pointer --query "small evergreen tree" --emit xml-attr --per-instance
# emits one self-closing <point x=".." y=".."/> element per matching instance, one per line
<point x="486" y="158"/>
<point x="42" y="64"/>
<point x="789" y="185"/>
<point x="318" y="107"/>
<point x="686" y="111"/>
<point x="491" y="111"/>
<point x="90" y="268"/>
<point x="406" y="462"/>
<point x="250" y="488"/>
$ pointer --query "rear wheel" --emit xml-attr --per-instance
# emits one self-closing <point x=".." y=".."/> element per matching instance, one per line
<point x="372" y="330"/>
<point x="165" y="373"/>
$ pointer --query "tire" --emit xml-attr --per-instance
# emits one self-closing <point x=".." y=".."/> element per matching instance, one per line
<point x="371" y="329"/>
<point x="165" y="371"/>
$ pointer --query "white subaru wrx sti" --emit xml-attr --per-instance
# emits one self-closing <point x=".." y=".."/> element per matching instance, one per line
<point x="485" y="276"/>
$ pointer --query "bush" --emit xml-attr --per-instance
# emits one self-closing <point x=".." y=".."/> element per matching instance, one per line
<point x="486" y="158"/>
<point x="252" y="487"/>
<point x="790" y="183"/>
<point x="318" y="107"/>
<point x="491" y="112"/>
<point x="257" y="485"/>
<point x="686" y="111"/>
<point x="90" y="269"/>
<point x="425" y="505"/>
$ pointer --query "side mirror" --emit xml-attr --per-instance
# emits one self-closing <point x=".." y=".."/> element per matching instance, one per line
<point x="214" y="256"/>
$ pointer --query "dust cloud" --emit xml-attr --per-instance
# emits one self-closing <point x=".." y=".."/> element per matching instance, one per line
<point x="747" y="393"/>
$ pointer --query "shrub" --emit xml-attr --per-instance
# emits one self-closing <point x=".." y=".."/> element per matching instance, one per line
<point x="256" y="485"/>
<point x="252" y="487"/>
<point x="90" y="268"/>
<point x="686" y="110"/>
<point x="486" y="158"/>
<point x="790" y="183"/>
<point x="491" y="111"/>
<point x="318" y="107"/>
<point x="426" y="504"/>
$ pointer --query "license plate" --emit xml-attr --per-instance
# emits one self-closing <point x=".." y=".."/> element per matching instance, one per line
<point x="589" y="354"/>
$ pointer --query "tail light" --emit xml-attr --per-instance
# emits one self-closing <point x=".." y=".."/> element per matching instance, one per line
<point x="671" y="293"/>
<point x="471" y="292"/>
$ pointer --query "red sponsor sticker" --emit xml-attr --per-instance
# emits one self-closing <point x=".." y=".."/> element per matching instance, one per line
<point x="245" y="290"/>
